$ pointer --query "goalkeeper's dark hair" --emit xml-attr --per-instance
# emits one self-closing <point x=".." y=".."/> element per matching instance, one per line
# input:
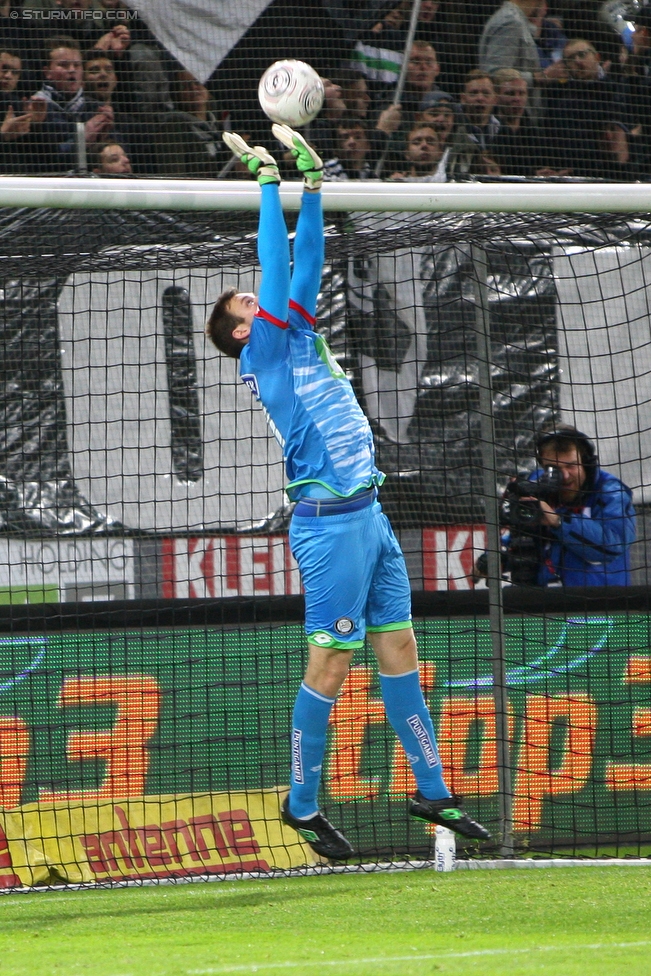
<point x="221" y="324"/>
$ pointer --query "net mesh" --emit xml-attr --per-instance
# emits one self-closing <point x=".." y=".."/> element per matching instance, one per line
<point x="150" y="607"/>
<point x="151" y="643"/>
<point x="567" y="300"/>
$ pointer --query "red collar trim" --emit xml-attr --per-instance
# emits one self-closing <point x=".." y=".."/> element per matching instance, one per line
<point x="299" y="308"/>
<point x="261" y="314"/>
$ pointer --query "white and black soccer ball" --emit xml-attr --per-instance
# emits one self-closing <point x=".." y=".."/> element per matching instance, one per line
<point x="291" y="92"/>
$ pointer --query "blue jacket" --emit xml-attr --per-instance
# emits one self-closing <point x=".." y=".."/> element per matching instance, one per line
<point x="592" y="545"/>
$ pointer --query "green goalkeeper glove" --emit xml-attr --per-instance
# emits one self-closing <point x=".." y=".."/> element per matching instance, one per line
<point x="308" y="162"/>
<point x="256" y="159"/>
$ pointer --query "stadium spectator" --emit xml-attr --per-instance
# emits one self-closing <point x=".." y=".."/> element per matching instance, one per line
<point x="189" y="138"/>
<point x="423" y="70"/>
<point x="67" y="104"/>
<point x="425" y="156"/>
<point x="478" y="100"/>
<point x="585" y="128"/>
<point x="440" y="112"/>
<point x="25" y="38"/>
<point x="100" y="78"/>
<point x="10" y="71"/>
<point x="322" y="130"/>
<point x="439" y="104"/>
<point x="143" y="67"/>
<point x="116" y="12"/>
<point x="463" y="154"/>
<point x="143" y="70"/>
<point x="354" y="91"/>
<point x="549" y="37"/>
<point x="582" y="61"/>
<point x="636" y="89"/>
<point x="22" y="118"/>
<point x="585" y="19"/>
<point x="89" y="32"/>
<point x="111" y="159"/>
<point x="512" y="96"/>
<point x="395" y="120"/>
<point x="433" y="28"/>
<point x="518" y="145"/>
<point x="460" y="25"/>
<point x="507" y="40"/>
<point x="102" y="84"/>
<point x="378" y="53"/>
<point x="428" y="26"/>
<point x="352" y="160"/>
<point x="114" y="75"/>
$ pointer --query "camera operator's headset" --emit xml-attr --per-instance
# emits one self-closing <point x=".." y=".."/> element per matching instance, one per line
<point x="585" y="446"/>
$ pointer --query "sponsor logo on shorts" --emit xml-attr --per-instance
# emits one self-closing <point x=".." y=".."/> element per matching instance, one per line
<point x="344" y="625"/>
<point x="424" y="741"/>
<point x="297" y="756"/>
<point x="320" y="637"/>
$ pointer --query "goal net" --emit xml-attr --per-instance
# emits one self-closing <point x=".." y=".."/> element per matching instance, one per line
<point x="151" y="639"/>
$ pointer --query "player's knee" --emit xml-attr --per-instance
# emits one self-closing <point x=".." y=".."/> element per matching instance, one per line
<point x="327" y="669"/>
<point x="395" y="650"/>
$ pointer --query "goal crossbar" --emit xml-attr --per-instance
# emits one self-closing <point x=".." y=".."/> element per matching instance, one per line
<point x="86" y="193"/>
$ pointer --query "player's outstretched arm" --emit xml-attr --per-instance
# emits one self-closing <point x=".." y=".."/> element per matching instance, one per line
<point x="273" y="245"/>
<point x="257" y="160"/>
<point x="308" y="161"/>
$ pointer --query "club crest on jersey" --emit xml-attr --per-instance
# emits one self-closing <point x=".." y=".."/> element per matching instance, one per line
<point x="252" y="383"/>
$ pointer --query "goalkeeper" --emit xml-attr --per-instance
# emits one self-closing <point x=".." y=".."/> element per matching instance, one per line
<point x="352" y="567"/>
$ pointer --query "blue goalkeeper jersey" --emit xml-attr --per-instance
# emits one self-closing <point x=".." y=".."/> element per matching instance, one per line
<point x="310" y="405"/>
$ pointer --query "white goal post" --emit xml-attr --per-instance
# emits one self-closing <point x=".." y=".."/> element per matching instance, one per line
<point x="87" y="193"/>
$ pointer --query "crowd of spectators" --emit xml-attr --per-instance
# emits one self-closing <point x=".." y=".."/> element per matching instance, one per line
<point x="520" y="89"/>
<point x="542" y="91"/>
<point x="142" y="113"/>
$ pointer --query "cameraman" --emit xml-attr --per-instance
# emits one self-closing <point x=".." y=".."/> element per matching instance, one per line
<point x="570" y="522"/>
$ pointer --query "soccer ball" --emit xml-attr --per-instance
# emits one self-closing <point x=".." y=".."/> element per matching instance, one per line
<point x="291" y="92"/>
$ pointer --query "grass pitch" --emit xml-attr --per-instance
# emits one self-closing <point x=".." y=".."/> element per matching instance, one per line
<point x="558" y="922"/>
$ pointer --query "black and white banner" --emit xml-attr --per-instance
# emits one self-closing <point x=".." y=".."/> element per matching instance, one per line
<point x="199" y="33"/>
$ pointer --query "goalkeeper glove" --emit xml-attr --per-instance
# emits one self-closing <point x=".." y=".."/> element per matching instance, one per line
<point x="308" y="162"/>
<point x="256" y="159"/>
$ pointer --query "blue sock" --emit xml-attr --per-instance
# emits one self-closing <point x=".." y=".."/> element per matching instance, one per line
<point x="411" y="721"/>
<point x="310" y="724"/>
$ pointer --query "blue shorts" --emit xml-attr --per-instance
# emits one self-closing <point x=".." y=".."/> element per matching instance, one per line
<point x="354" y="576"/>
